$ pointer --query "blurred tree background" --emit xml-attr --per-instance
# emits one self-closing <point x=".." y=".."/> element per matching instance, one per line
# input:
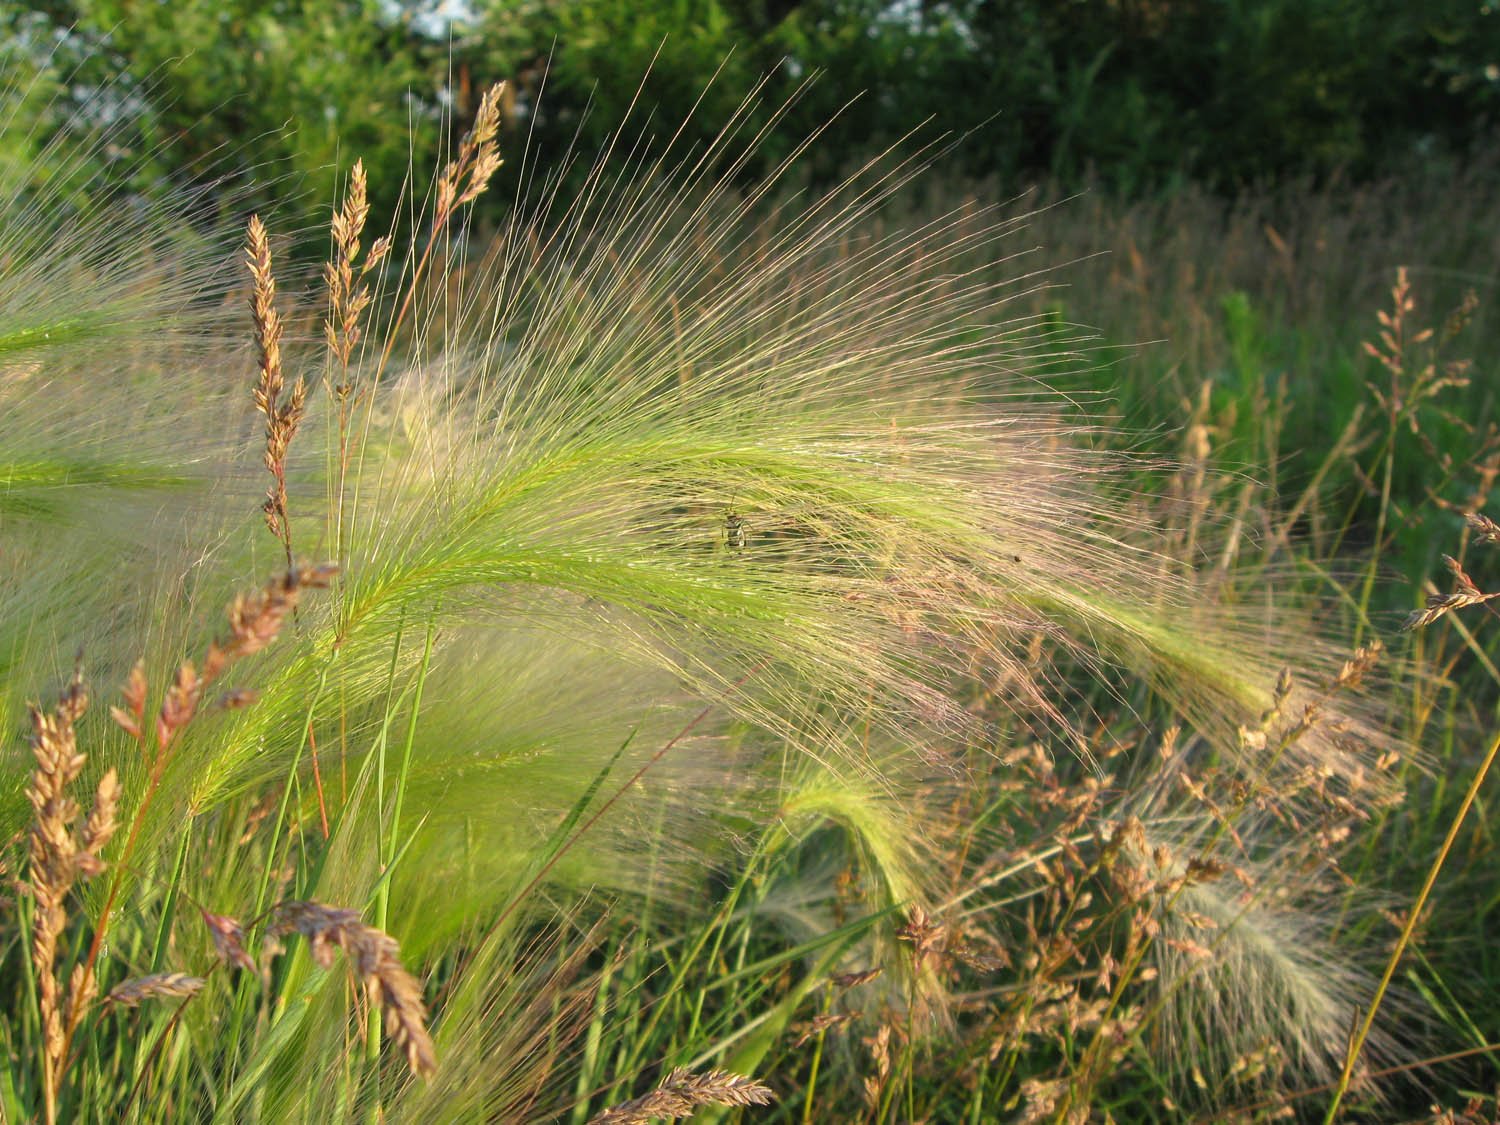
<point x="1134" y="95"/>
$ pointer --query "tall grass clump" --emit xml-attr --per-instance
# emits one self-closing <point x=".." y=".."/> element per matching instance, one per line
<point x="728" y="642"/>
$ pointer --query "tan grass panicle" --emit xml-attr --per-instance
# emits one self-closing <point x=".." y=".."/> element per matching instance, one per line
<point x="681" y="1093"/>
<point x="283" y="415"/>
<point x="59" y="853"/>
<point x="375" y="957"/>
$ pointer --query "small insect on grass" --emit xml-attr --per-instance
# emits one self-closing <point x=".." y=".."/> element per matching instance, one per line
<point x="736" y="531"/>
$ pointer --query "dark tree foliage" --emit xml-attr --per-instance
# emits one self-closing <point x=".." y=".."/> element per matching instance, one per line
<point x="1137" y="93"/>
<point x="277" y="93"/>
<point x="1140" y="93"/>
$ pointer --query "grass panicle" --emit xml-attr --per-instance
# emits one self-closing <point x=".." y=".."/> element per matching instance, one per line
<point x="283" y="416"/>
<point x="375" y="957"/>
<point x="137" y="990"/>
<point x="682" y="1093"/>
<point x="60" y="851"/>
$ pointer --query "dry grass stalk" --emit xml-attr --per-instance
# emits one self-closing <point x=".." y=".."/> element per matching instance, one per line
<point x="156" y="986"/>
<point x="59" y="853"/>
<point x="468" y="175"/>
<point x="1465" y="593"/>
<point x="282" y="415"/>
<point x="375" y="956"/>
<point x="255" y="620"/>
<point x="681" y="1093"/>
<point x="934" y="943"/>
<point x="348" y="296"/>
<point x="463" y="180"/>
<point x="1413" y="380"/>
<point x="928" y="938"/>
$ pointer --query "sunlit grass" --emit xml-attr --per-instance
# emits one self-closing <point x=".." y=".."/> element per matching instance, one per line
<point x="726" y="605"/>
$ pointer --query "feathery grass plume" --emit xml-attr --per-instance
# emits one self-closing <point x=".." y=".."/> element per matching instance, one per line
<point x="906" y="520"/>
<point x="375" y="957"/>
<point x="512" y="1022"/>
<point x="681" y="1093"/>
<point x="1259" y="979"/>
<point x="80" y="268"/>
<point x="844" y="843"/>
<point x="907" y="516"/>
<point x="817" y="416"/>
<point x="517" y="726"/>
<point x="112" y="334"/>
<point x="1255" y="978"/>
<point x="786" y="473"/>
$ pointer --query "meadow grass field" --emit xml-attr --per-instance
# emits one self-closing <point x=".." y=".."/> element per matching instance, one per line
<point x="899" y="652"/>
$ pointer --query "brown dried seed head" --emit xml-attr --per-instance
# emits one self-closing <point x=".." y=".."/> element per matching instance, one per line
<point x="487" y="117"/>
<point x="400" y="996"/>
<point x="256" y="619"/>
<point x="1485" y="529"/>
<point x="1464" y="583"/>
<point x="53" y="863"/>
<point x="1354" y="670"/>
<point x="375" y="956"/>
<point x="486" y="164"/>
<point x="291" y="414"/>
<point x="83" y="986"/>
<point x="100" y="827"/>
<point x="1283" y="684"/>
<point x="980" y="962"/>
<point x="74" y="700"/>
<point x="349" y="220"/>
<point x="267" y="319"/>
<point x="819" y="1024"/>
<point x="925" y="935"/>
<point x="446" y="193"/>
<point x="133" y="714"/>
<point x="1439" y="604"/>
<point x="378" y="250"/>
<point x="179" y="705"/>
<point x="468" y="175"/>
<point x="229" y="940"/>
<point x="1203" y="869"/>
<point x="682" y="1092"/>
<point x="157" y="985"/>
